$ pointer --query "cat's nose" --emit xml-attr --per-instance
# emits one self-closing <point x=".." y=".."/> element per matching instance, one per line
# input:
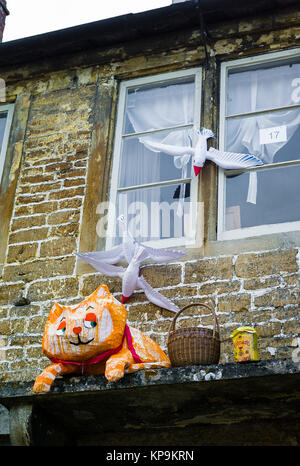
<point x="77" y="330"/>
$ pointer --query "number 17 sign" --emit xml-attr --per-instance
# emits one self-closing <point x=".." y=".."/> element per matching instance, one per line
<point x="272" y="135"/>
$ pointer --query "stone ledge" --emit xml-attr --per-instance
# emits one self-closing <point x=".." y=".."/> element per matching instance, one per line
<point x="163" y="400"/>
<point x="12" y="391"/>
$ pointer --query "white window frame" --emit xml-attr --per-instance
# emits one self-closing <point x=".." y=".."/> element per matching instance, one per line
<point x="124" y="86"/>
<point x="258" y="230"/>
<point x="9" y="109"/>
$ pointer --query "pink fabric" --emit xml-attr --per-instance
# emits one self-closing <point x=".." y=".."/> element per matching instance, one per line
<point x="130" y="344"/>
<point x="104" y="356"/>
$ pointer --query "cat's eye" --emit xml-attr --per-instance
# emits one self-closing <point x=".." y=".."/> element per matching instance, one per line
<point x="61" y="328"/>
<point x="90" y="320"/>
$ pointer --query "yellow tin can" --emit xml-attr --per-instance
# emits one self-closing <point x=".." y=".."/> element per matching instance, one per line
<point x="245" y="344"/>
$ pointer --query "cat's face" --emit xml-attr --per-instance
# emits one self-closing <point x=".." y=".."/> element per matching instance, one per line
<point x="77" y="333"/>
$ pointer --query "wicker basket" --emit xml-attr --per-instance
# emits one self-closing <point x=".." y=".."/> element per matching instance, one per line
<point x="195" y="345"/>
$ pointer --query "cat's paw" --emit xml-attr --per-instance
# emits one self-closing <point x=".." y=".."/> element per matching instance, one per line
<point x="114" y="374"/>
<point x="40" y="386"/>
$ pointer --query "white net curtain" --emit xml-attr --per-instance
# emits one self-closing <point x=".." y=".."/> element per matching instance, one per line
<point x="255" y="91"/>
<point x="162" y="107"/>
<point x="152" y="109"/>
<point x="263" y="119"/>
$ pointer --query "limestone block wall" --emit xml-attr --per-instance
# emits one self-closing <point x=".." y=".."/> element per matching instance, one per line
<point x="67" y="132"/>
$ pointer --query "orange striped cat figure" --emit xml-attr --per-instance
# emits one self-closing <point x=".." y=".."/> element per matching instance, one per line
<point x="91" y="338"/>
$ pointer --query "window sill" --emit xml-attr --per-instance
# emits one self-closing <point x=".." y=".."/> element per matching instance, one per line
<point x="244" y="233"/>
<point x="255" y="243"/>
<point x="90" y="407"/>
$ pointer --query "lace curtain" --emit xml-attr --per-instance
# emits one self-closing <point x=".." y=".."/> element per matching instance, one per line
<point x="153" y="109"/>
<point x="255" y="91"/>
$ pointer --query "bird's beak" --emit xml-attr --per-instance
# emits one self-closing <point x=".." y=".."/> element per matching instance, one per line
<point x="124" y="299"/>
<point x="197" y="170"/>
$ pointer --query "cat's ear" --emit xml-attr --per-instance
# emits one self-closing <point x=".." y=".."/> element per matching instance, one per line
<point x="55" y="312"/>
<point x="102" y="291"/>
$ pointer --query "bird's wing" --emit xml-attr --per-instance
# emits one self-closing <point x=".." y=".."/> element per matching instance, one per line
<point x="103" y="267"/>
<point x="155" y="297"/>
<point x="140" y="253"/>
<point x="163" y="255"/>
<point x="231" y="160"/>
<point x="112" y="256"/>
<point x="169" y="148"/>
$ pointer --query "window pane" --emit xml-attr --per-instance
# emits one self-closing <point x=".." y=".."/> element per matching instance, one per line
<point x="265" y="87"/>
<point x="161" y="105"/>
<point x="273" y="137"/>
<point x="2" y="127"/>
<point x="278" y="198"/>
<point x="140" y="165"/>
<point x="152" y="212"/>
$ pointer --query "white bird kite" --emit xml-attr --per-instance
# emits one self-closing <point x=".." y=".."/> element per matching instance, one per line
<point x="199" y="153"/>
<point x="134" y="253"/>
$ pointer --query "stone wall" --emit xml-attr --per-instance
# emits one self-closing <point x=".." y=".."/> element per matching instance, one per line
<point x="67" y="132"/>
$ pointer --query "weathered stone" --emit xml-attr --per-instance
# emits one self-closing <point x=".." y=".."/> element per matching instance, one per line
<point x="24" y="236"/>
<point x="43" y="207"/>
<point x="37" y="269"/>
<point x="36" y="324"/>
<point x="67" y="193"/>
<point x="71" y="229"/>
<point x="4" y="327"/>
<point x="53" y="289"/>
<point x="208" y="269"/>
<point x="235" y="302"/>
<point x="163" y="326"/>
<point x="30" y="199"/>
<point x="70" y="216"/>
<point x="58" y="167"/>
<point x="271" y="385"/>
<point x="260" y="283"/>
<point x="292" y="279"/>
<point x="34" y="352"/>
<point x="74" y="182"/>
<point x="73" y="203"/>
<point x="268" y="329"/>
<point x="58" y="247"/>
<point x="43" y="178"/>
<point x="221" y="287"/>
<point x="162" y="275"/>
<point x="8" y="292"/>
<point x="28" y="222"/>
<point x="180" y="291"/>
<point x="146" y="312"/>
<point x="22" y="252"/>
<point x="91" y="282"/>
<point x="82" y="155"/>
<point x="268" y="263"/>
<point x="40" y="188"/>
<point x="60" y="150"/>
<point x="291" y="327"/>
<point x="278" y="297"/>
<point x="18" y="326"/>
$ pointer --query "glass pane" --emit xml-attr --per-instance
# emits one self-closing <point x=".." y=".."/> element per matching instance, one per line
<point x="140" y="165"/>
<point x="160" y="105"/>
<point x="277" y="201"/>
<point x="152" y="212"/>
<point x="263" y="87"/>
<point x="273" y="137"/>
<point x="2" y="127"/>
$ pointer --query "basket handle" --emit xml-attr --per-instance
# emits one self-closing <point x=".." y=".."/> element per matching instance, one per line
<point x="216" y="323"/>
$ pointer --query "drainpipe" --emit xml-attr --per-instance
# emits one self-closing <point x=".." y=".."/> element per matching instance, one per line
<point x="3" y="13"/>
